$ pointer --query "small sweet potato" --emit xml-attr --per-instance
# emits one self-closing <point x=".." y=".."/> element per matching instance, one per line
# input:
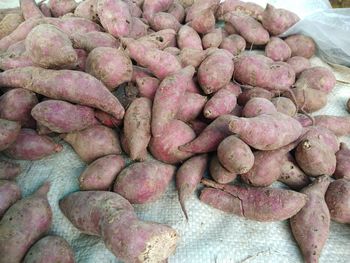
<point x="9" y="194"/>
<point x="9" y="131"/>
<point x="30" y="9"/>
<point x="63" y="117"/>
<point x="188" y="38"/>
<point x="60" y="8"/>
<point x="310" y="226"/>
<point x="94" y="142"/>
<point x="338" y="200"/>
<point x="147" y="86"/>
<point x="100" y="174"/>
<point x="285" y="106"/>
<point x="178" y="11"/>
<point x="301" y="45"/>
<point x="299" y="64"/>
<point x="277" y="49"/>
<point x="9" y="23"/>
<point x="89" y="41"/>
<point x="193" y="57"/>
<point x="257" y="106"/>
<point x="144" y="182"/>
<point x="203" y="22"/>
<point x="212" y="39"/>
<point x="310" y="100"/>
<point x="190" y="106"/>
<point x="233" y="43"/>
<point x="188" y="177"/>
<point x="23" y="224"/>
<point x="112" y="66"/>
<point x="9" y="170"/>
<point x="151" y="7"/>
<point x="137" y="127"/>
<point x="339" y="125"/>
<point x="286" y="130"/>
<point x="50" y="249"/>
<point x="278" y="20"/>
<point x="222" y="102"/>
<point x="163" y="20"/>
<point x="250" y="93"/>
<point x="87" y="9"/>
<point x="219" y="173"/>
<point x="255" y="203"/>
<point x="342" y="169"/>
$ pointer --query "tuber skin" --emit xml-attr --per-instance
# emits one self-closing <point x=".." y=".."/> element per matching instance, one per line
<point x="342" y="169"/>
<point x="260" y="204"/>
<point x="310" y="226"/>
<point x="50" y="249"/>
<point x="151" y="7"/>
<point x="338" y="200"/>
<point x="248" y="8"/>
<point x="197" y="126"/>
<point x="63" y="117"/>
<point x="138" y="28"/>
<point x="114" y="220"/>
<point x="106" y="119"/>
<point x="257" y="106"/>
<point x="178" y="11"/>
<point x="163" y="20"/>
<point x="256" y="92"/>
<point x="91" y="40"/>
<point x="9" y="194"/>
<point x="285" y="106"/>
<point x="9" y="131"/>
<point x="212" y="39"/>
<point x="203" y="22"/>
<point x="191" y="106"/>
<point x="161" y="39"/>
<point x="235" y="155"/>
<point x="94" y="142"/>
<point x="339" y="125"/>
<point x="23" y="224"/>
<point x="59" y="8"/>
<point x="45" y="9"/>
<point x="147" y="86"/>
<point x="30" y="9"/>
<point x="137" y="128"/>
<point x="323" y="135"/>
<point x="234" y="43"/>
<point x="187" y="37"/>
<point x="219" y="173"/>
<point x="100" y="174"/>
<point x="301" y="45"/>
<point x="299" y="64"/>
<point x="277" y="49"/>
<point x="222" y="102"/>
<point x="9" y="23"/>
<point x="188" y="177"/>
<point x="191" y="56"/>
<point x="8" y="170"/>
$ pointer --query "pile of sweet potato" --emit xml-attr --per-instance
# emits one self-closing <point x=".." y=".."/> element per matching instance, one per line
<point x="165" y="84"/>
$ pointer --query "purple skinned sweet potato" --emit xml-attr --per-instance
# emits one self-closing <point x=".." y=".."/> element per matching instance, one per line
<point x="163" y="20"/>
<point x="173" y="50"/>
<point x="101" y="173"/>
<point x="203" y="22"/>
<point x="87" y="9"/>
<point x="138" y="28"/>
<point x="63" y="117"/>
<point x="94" y="142"/>
<point x="212" y="39"/>
<point x="60" y="8"/>
<point x="197" y="126"/>
<point x="256" y="92"/>
<point x="106" y="119"/>
<point x="89" y="41"/>
<point x="151" y="7"/>
<point x="257" y="106"/>
<point x="342" y="169"/>
<point x="285" y="106"/>
<point x="299" y="64"/>
<point x="8" y="170"/>
<point x="193" y="57"/>
<point x="219" y="173"/>
<point x="144" y="182"/>
<point x="178" y="11"/>
<point x="301" y="45"/>
<point x="339" y="125"/>
<point x="310" y="226"/>
<point x="9" y="194"/>
<point x="23" y="224"/>
<point x="338" y="200"/>
<point x="190" y="106"/>
<point x="233" y="43"/>
<point x="277" y="49"/>
<point x="248" y="8"/>
<point x="187" y="37"/>
<point x="9" y="23"/>
<point x="222" y="102"/>
<point x="147" y="86"/>
<point x="30" y="9"/>
<point x="10" y="61"/>
<point x="160" y="40"/>
<point x="9" y="131"/>
<point x="45" y="9"/>
<point x="323" y="135"/>
<point x="255" y="203"/>
<point x="197" y="7"/>
<point x="188" y="177"/>
<point x="310" y="100"/>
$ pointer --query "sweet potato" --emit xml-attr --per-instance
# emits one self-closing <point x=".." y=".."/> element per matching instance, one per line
<point x="168" y="97"/>
<point x="16" y="105"/>
<point x="267" y="166"/>
<point x="147" y="86"/>
<point x="135" y="10"/>
<point x="10" y="61"/>
<point x="318" y="78"/>
<point x="50" y="249"/>
<point x="234" y="44"/>
<point x="114" y="16"/>
<point x="112" y="66"/>
<point x="310" y="100"/>
<point x="338" y="200"/>
<point x="197" y="126"/>
<point x="144" y="182"/>
<point x="178" y="11"/>
<point x="315" y="157"/>
<point x="286" y="130"/>
<point x="203" y="22"/>
<point x="219" y="173"/>
<point x="6" y="11"/>
<point x="159" y="62"/>
<point x="212" y="39"/>
<point x="163" y="20"/>
<point x="9" y="131"/>
<point x="258" y="70"/>
<point x="60" y="8"/>
<point x="299" y="64"/>
<point x="94" y="142"/>
<point x="49" y="83"/>
<point x="339" y="125"/>
<point x="89" y="41"/>
<point x="188" y="38"/>
<point x="285" y="106"/>
<point x="222" y="102"/>
<point x="137" y="127"/>
<point x="190" y="106"/>
<point x="215" y="71"/>
<point x="87" y="9"/>
<point x="151" y="7"/>
<point x="42" y="130"/>
<point x="211" y="136"/>
<point x="278" y="20"/>
<point x="230" y="29"/>
<point x="100" y="174"/>
<point x="323" y="135"/>
<point x="30" y="9"/>
<point x="277" y="49"/>
<point x="9" y="170"/>
<point x="188" y="177"/>
<point x="9" y="23"/>
<point x="342" y="169"/>
<point x="114" y="220"/>
<point x="17" y="48"/>
<point x="248" y="8"/>
<point x="166" y="147"/>
<point x="292" y="175"/>
<point x="45" y="9"/>
<point x="173" y="50"/>
<point x="191" y="57"/>
<point x="60" y="53"/>
<point x="138" y="28"/>
<point x="107" y="119"/>
<point x="250" y="29"/>
<point x="301" y="45"/>
<point x="198" y="7"/>
<point x="250" y="93"/>
<point x="260" y="204"/>
<point x="257" y="106"/>
<point x="161" y="39"/>
<point x="23" y="224"/>
<point x="310" y="226"/>
<point x="9" y="194"/>
<point x="63" y="117"/>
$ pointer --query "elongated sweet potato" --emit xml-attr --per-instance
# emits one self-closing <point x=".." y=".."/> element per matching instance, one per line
<point x="188" y="177"/>
<point x="342" y="169"/>
<point x="60" y="8"/>
<point x="338" y="200"/>
<point x="190" y="106"/>
<point x="23" y="224"/>
<point x="9" y="23"/>
<point x="48" y="83"/>
<point x="178" y="11"/>
<point x="301" y="45"/>
<point x="193" y="57"/>
<point x="89" y="41"/>
<point x="339" y="125"/>
<point x="9" y="131"/>
<point x="9" y="170"/>
<point x="163" y="20"/>
<point x="310" y="226"/>
<point x="257" y="106"/>
<point x="9" y="194"/>
<point x="115" y="220"/>
<point x="197" y="126"/>
<point x="147" y="87"/>
<point x="286" y="130"/>
<point x="219" y="173"/>
<point x="100" y="174"/>
<point x="188" y="38"/>
<point x="30" y="9"/>
<point x="94" y="142"/>
<point x="256" y="92"/>
<point x="50" y="249"/>
<point x="198" y="7"/>
<point x="222" y="102"/>
<point x="260" y="204"/>
<point x="233" y="43"/>
<point x="138" y="28"/>
<point x="277" y="49"/>
<point x="299" y="64"/>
